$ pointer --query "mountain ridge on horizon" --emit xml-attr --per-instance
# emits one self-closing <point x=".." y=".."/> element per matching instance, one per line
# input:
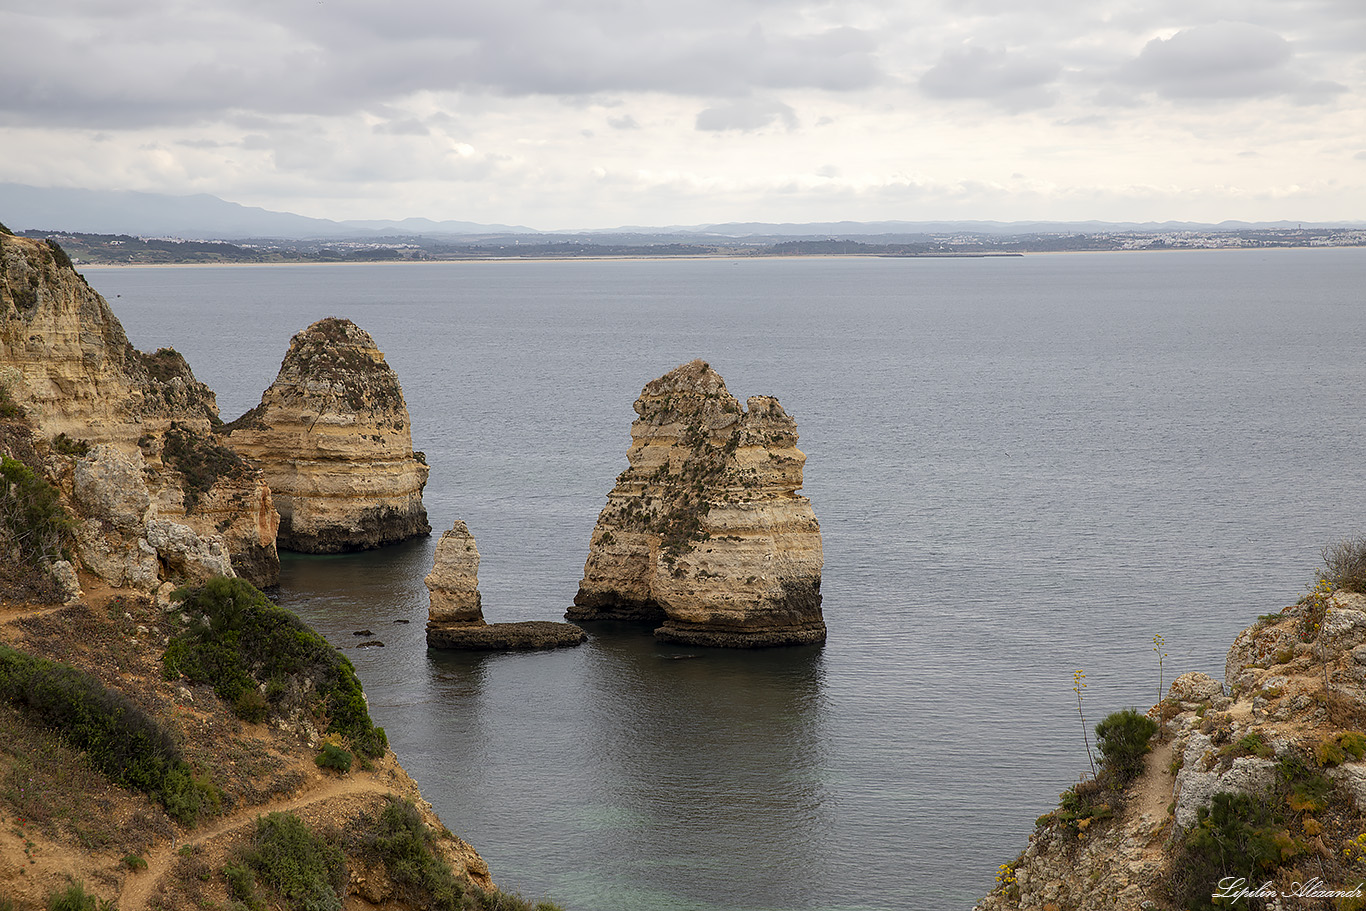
<point x="205" y="217"/>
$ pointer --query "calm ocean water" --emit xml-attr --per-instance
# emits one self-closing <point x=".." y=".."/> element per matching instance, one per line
<point x="1022" y="467"/>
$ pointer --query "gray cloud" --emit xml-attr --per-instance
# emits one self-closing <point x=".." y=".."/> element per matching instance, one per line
<point x="625" y="122"/>
<point x="407" y="127"/>
<point x="1012" y="81"/>
<point x="1221" y="60"/>
<point x="746" y="116"/>
<point x="182" y="64"/>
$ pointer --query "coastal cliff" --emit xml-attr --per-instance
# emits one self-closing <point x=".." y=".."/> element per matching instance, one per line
<point x="455" y="616"/>
<point x="333" y="439"/>
<point x="171" y="738"/>
<point x="67" y="364"/>
<point x="705" y="531"/>
<point x="1256" y="784"/>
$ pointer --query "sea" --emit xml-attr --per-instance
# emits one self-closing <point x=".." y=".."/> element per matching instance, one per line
<point x="1023" y="467"/>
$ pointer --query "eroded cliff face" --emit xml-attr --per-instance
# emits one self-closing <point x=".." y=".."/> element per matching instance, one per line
<point x="65" y="360"/>
<point x="333" y="439"/>
<point x="1284" y="734"/>
<point x="705" y="529"/>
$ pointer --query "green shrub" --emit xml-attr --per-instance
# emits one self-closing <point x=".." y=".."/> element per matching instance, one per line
<point x="1249" y="745"/>
<point x="1354" y="743"/>
<point x="334" y="757"/>
<point x="10" y="410"/>
<point x="242" y="885"/>
<point x="67" y="446"/>
<point x="59" y="254"/>
<point x="1123" y="741"/>
<point x="1236" y="835"/>
<point x="200" y="460"/>
<point x="251" y="706"/>
<point x="1082" y="804"/>
<point x="1246" y="835"/>
<point x="75" y="898"/>
<point x="248" y="641"/>
<point x="305" y="870"/>
<point x="120" y="739"/>
<point x="403" y="842"/>
<point x="32" y="511"/>
<point x="135" y="862"/>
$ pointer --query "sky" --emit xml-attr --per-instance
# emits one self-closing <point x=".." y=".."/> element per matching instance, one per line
<point x="569" y="114"/>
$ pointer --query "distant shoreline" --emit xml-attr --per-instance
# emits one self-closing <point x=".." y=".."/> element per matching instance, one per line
<point x="734" y="257"/>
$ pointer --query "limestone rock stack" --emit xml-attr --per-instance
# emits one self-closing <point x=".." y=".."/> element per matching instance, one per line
<point x="333" y="439"/>
<point x="455" y="619"/>
<point x="453" y="583"/>
<point x="67" y="363"/>
<point x="705" y="529"/>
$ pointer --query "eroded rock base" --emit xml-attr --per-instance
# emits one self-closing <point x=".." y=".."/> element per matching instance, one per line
<point x="529" y="635"/>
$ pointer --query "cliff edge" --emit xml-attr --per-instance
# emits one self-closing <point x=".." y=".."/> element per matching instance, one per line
<point x="66" y="363"/>
<point x="1249" y="794"/>
<point x="705" y="530"/>
<point x="333" y="439"/>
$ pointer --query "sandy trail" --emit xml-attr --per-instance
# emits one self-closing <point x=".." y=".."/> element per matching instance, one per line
<point x="139" y="887"/>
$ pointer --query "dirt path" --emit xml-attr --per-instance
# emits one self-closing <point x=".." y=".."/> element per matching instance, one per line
<point x="1154" y="788"/>
<point x="138" y="887"/>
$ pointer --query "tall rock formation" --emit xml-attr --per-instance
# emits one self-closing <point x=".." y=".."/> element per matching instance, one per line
<point x="66" y="361"/>
<point x="455" y="617"/>
<point x="705" y="529"/>
<point x="333" y="439"/>
<point x="453" y="583"/>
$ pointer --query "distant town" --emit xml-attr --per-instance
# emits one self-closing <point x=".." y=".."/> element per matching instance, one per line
<point x="112" y="249"/>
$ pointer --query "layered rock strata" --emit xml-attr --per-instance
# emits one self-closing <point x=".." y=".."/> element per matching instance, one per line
<point x="332" y="437"/>
<point x="67" y="363"/>
<point x="705" y="530"/>
<point x="455" y="618"/>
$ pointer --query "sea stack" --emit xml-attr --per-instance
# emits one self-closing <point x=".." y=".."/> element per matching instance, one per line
<point x="333" y="439"/>
<point x="705" y="530"/>
<point x="455" y="617"/>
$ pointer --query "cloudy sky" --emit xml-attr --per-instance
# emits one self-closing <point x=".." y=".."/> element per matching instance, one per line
<point x="564" y="114"/>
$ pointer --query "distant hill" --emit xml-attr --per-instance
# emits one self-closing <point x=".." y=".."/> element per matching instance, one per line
<point x="204" y="217"/>
<point x="198" y="217"/>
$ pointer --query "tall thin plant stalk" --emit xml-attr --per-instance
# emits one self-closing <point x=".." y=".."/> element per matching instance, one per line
<point x="1079" y="684"/>
<point x="1158" y="645"/>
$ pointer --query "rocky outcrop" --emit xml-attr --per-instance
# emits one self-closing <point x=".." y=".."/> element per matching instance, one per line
<point x="455" y="618"/>
<point x="705" y="530"/>
<point x="66" y="361"/>
<point x="120" y="536"/>
<point x="1285" y="732"/>
<point x="332" y="437"/>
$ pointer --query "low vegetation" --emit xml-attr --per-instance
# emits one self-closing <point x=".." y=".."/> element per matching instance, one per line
<point x="399" y="839"/>
<point x="75" y="898"/>
<point x="1124" y="739"/>
<point x="1344" y="565"/>
<point x="119" y="739"/>
<point x="32" y="514"/>
<point x="201" y="461"/>
<point x="300" y="868"/>
<point x="1252" y="836"/>
<point x="262" y="659"/>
